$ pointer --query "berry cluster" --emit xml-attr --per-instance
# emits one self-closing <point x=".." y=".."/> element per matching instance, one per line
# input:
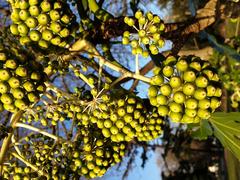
<point x="43" y="21"/>
<point x="21" y="82"/>
<point x="186" y="89"/>
<point x="149" y="31"/>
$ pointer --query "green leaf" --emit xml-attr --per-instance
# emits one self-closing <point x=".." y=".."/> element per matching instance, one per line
<point x="227" y="130"/>
<point x="202" y="131"/>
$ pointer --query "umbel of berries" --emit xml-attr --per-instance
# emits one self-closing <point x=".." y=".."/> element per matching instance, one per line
<point x="149" y="28"/>
<point x="45" y="22"/>
<point x="187" y="89"/>
<point x="21" y="81"/>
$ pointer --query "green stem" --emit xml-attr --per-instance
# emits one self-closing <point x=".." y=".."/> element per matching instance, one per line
<point x="6" y="142"/>
<point x="98" y="12"/>
<point x="26" y="126"/>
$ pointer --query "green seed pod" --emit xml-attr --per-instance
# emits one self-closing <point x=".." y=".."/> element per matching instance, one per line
<point x="17" y="93"/>
<point x="14" y="29"/>
<point x="54" y="15"/>
<point x="4" y="88"/>
<point x="23" y="29"/>
<point x="43" y="19"/>
<point x="45" y="6"/>
<point x="166" y="90"/>
<point x="4" y="74"/>
<point x="35" y="35"/>
<point x="24" y="14"/>
<point x="31" y="22"/>
<point x="14" y="82"/>
<point x="6" y="98"/>
<point x="34" y="11"/>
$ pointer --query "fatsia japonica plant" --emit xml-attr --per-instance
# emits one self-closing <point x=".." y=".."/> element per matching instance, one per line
<point x="53" y="129"/>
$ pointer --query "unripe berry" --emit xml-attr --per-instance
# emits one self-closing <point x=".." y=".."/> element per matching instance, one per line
<point x="215" y="103"/>
<point x="162" y="100"/>
<point x="152" y="91"/>
<point x="175" y="82"/>
<point x="163" y="110"/>
<point x="157" y="80"/>
<point x="45" y="6"/>
<point x="189" y="76"/>
<point x="187" y="119"/>
<point x="34" y="11"/>
<point x="31" y="22"/>
<point x="191" y="103"/>
<point x="200" y="94"/>
<point x="182" y="65"/>
<point x="166" y="90"/>
<point x="191" y="112"/>
<point x="23" y="29"/>
<point x="201" y="82"/>
<point x="205" y="114"/>
<point x="168" y="71"/>
<point x="179" y="97"/>
<point x="204" y="104"/>
<point x="24" y="14"/>
<point x="43" y="19"/>
<point x="175" y="107"/>
<point x="138" y="14"/>
<point x="196" y="65"/>
<point x="175" y="117"/>
<point x="188" y="89"/>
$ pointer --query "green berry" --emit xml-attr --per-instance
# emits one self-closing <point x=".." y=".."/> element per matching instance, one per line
<point x="17" y="93"/>
<point x="3" y="56"/>
<point x="175" y="117"/>
<point x="6" y="99"/>
<point x="24" y="14"/>
<point x="162" y="100"/>
<point x="14" y="82"/>
<point x="152" y="91"/>
<point x="4" y="88"/>
<point x="47" y="35"/>
<point x="43" y="19"/>
<point x="204" y="103"/>
<point x="35" y="35"/>
<point x="23" y="29"/>
<point x="4" y="74"/>
<point x="23" y="4"/>
<point x="200" y="94"/>
<point x="168" y="71"/>
<point x="201" y="82"/>
<point x="11" y="64"/>
<point x="166" y="90"/>
<point x="33" y="2"/>
<point x="211" y="90"/>
<point x="45" y="6"/>
<point x="65" y="32"/>
<point x="191" y="112"/>
<point x="31" y="22"/>
<point x="21" y="71"/>
<point x="125" y="40"/>
<point x="215" y="103"/>
<point x="191" y="103"/>
<point x="14" y="29"/>
<point x="19" y="103"/>
<point x="182" y="65"/>
<point x="28" y="86"/>
<point x="54" y="15"/>
<point x="163" y="110"/>
<point x="34" y="11"/>
<point x="175" y="107"/>
<point x="188" y="89"/>
<point x="138" y="14"/>
<point x="175" y="82"/>
<point x="24" y="40"/>
<point x="179" y="97"/>
<point x="65" y="19"/>
<point x="189" y="76"/>
<point x="204" y="114"/>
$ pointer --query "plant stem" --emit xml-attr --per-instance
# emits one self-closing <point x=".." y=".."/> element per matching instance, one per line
<point x="137" y="64"/>
<point x="6" y="142"/>
<point x="26" y="126"/>
<point x="29" y="164"/>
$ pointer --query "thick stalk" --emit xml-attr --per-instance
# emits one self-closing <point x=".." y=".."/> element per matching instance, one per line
<point x="6" y="142"/>
<point x="26" y="126"/>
